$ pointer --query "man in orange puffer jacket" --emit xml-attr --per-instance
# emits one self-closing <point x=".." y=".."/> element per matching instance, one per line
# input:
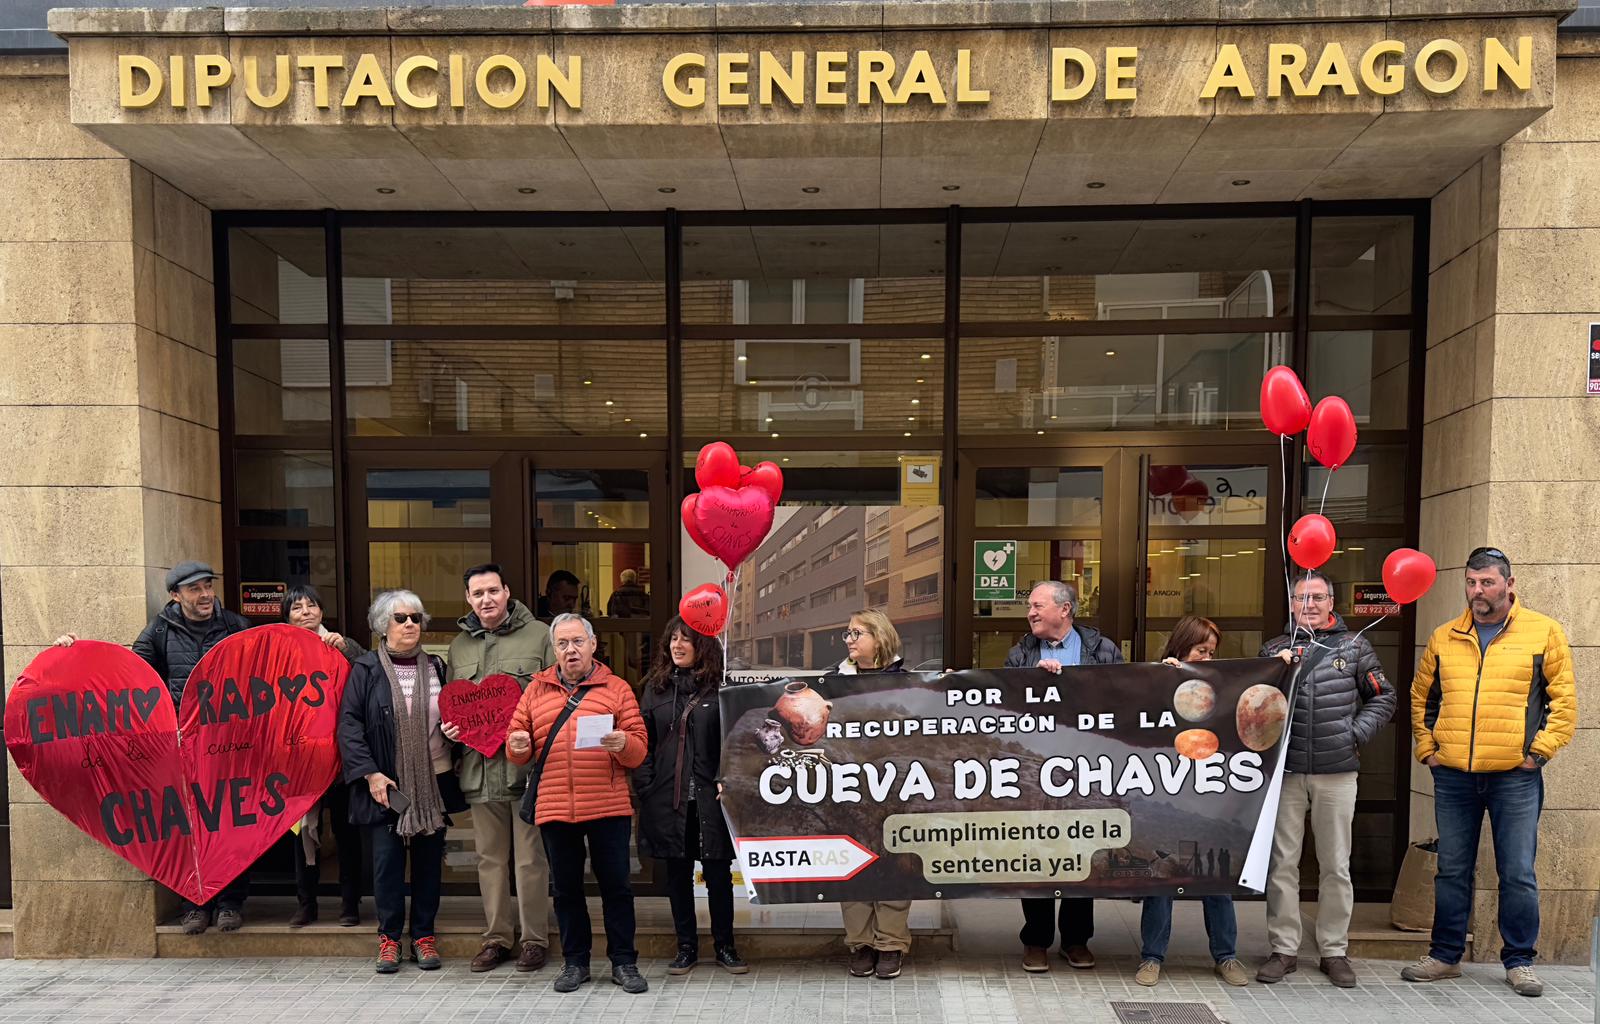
<point x="584" y="795"/>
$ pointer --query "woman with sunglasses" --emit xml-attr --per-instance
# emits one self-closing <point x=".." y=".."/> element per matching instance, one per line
<point x="1193" y="639"/>
<point x="679" y="820"/>
<point x="400" y="769"/>
<point x="302" y="607"/>
<point x="878" y="932"/>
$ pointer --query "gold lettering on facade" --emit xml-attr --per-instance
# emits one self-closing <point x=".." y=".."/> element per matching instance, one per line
<point x="1286" y="62"/>
<point x="211" y="71"/>
<point x="965" y="93"/>
<point x="402" y="82"/>
<point x="1120" y="68"/>
<point x="693" y="93"/>
<point x="1392" y="78"/>
<point x="132" y="97"/>
<point x="367" y="82"/>
<point x="733" y="79"/>
<point x="1458" y="69"/>
<point x="281" y="82"/>
<point x="1228" y="72"/>
<point x="319" y="66"/>
<point x="179" y="91"/>
<point x="1497" y="60"/>
<point x="791" y="81"/>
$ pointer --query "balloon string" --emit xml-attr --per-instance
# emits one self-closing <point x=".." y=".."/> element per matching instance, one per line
<point x="1283" y="537"/>
<point x="1374" y="622"/>
<point x="1325" y="485"/>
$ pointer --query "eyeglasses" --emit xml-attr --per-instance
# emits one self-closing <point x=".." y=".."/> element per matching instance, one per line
<point x="853" y="634"/>
<point x="401" y="618"/>
<point x="1312" y="598"/>
<point x="571" y="645"/>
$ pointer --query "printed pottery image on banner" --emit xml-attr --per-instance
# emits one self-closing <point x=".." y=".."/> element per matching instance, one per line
<point x="804" y="711"/>
<point x="1261" y="714"/>
<point x="1195" y="701"/>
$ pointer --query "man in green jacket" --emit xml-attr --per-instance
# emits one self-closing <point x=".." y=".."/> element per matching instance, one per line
<point x="500" y="636"/>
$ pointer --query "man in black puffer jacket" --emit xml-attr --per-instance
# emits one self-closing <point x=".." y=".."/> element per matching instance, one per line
<point x="1341" y="700"/>
<point x="192" y="623"/>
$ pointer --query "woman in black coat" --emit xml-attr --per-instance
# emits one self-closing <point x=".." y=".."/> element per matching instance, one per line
<point x="679" y="820"/>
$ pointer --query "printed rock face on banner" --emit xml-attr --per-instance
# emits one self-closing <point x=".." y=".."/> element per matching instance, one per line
<point x="257" y="751"/>
<point x="1118" y="780"/>
<point x="481" y="710"/>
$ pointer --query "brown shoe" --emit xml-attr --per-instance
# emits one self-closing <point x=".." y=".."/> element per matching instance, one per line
<point x="1276" y="967"/>
<point x="492" y="955"/>
<point x="863" y="962"/>
<point x="1339" y="971"/>
<point x="532" y="958"/>
<point x="1035" y="959"/>
<point x="1078" y="957"/>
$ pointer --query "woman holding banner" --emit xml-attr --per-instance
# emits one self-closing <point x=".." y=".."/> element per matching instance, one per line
<point x="679" y="820"/>
<point x="1193" y="639"/>
<point x="302" y="606"/>
<point x="399" y="766"/>
<point x="877" y="932"/>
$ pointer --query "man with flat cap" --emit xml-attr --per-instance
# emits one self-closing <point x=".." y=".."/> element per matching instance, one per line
<point x="192" y="623"/>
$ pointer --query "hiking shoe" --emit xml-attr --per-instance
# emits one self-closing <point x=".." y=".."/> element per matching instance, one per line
<point x="492" y="955"/>
<point x="532" y="957"/>
<point x="303" y="915"/>
<point x="1149" y="972"/>
<point x="195" y="921"/>
<point x="730" y="960"/>
<point x="684" y="962"/>
<point x="571" y="976"/>
<point x="1078" y="957"/>
<point x="425" y="951"/>
<point x="1232" y="972"/>
<point x="1430" y="969"/>
<point x="388" y="955"/>
<point x="628" y="976"/>
<point x="1524" y="982"/>
<point x="863" y="962"/>
<point x="1339" y="971"/>
<point x="229" y="920"/>
<point x="1276" y="967"/>
<point x="889" y="961"/>
<point x="1035" y="959"/>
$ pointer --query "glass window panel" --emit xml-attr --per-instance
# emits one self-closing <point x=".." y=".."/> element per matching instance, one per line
<point x="1232" y="496"/>
<point x="1039" y="497"/>
<point x="278" y="275"/>
<point x="815" y="387"/>
<point x="1126" y="382"/>
<point x="598" y="567"/>
<point x="1370" y="488"/>
<point x="428" y="497"/>
<point x="1236" y="643"/>
<point x="452" y="388"/>
<point x="1360" y="265"/>
<point x="569" y="275"/>
<point x="836" y="479"/>
<point x="1369" y="369"/>
<point x="1070" y="561"/>
<point x="1102" y="270"/>
<point x="1214" y="578"/>
<point x="1359" y="560"/>
<point x="814" y="273"/>
<point x="607" y="499"/>
<point x="292" y="562"/>
<point x="280" y="386"/>
<point x="292" y="488"/>
<point x="432" y="571"/>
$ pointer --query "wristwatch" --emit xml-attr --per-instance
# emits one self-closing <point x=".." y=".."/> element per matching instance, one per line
<point x="1539" y="760"/>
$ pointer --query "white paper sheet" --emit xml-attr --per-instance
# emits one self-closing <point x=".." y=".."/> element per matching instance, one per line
<point x="592" y="729"/>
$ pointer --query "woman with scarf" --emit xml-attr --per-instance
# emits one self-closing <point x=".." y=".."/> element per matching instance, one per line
<point x="878" y="932"/>
<point x="398" y="764"/>
<point x="679" y="820"/>
<point x="302" y="606"/>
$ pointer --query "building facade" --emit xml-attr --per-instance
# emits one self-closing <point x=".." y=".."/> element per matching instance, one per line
<point x="360" y="296"/>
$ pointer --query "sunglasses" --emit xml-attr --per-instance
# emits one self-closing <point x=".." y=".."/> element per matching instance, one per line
<point x="401" y="618"/>
<point x="1495" y="553"/>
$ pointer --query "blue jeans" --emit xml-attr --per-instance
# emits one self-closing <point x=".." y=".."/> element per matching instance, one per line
<point x="389" y="880"/>
<point x="1513" y="800"/>
<point x="1155" y="927"/>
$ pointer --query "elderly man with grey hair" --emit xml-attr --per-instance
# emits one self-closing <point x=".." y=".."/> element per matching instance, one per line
<point x="399" y="765"/>
<point x="1056" y="641"/>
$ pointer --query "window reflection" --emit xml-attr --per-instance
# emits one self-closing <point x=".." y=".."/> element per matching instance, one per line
<point x="1214" y="578"/>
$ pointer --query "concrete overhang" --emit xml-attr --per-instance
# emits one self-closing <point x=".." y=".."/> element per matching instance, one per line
<point x="1471" y="74"/>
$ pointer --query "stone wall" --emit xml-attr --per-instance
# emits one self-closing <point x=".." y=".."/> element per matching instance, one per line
<point x="1509" y="449"/>
<point x="108" y="451"/>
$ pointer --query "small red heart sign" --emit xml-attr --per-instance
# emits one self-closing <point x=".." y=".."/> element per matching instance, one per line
<point x="481" y="710"/>
<point x="705" y="609"/>
<point x="93" y="730"/>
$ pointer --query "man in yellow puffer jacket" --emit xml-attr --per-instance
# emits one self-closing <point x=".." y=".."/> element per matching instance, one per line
<point x="1492" y="702"/>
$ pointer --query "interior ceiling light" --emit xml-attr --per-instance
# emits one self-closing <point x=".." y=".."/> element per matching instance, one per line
<point x="1111" y="351"/>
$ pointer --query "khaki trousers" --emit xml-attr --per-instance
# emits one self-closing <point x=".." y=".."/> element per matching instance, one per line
<point x="1331" y="802"/>
<point x="883" y="926"/>
<point x="498" y="832"/>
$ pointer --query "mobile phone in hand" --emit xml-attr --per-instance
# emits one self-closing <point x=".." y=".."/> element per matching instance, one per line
<point x="399" y="803"/>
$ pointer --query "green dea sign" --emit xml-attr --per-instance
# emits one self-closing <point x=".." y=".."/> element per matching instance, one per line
<point x="994" y="570"/>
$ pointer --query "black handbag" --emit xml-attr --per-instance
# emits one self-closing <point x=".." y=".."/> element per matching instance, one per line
<point x="530" y="796"/>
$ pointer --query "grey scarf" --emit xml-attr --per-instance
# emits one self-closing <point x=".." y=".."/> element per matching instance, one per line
<point x="413" y="762"/>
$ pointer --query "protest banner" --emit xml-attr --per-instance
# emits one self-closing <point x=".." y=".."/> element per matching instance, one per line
<point x="1119" y="780"/>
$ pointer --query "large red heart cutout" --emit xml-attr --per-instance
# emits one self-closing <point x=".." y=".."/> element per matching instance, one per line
<point x="481" y="710"/>
<point x="732" y="522"/>
<point x="190" y="799"/>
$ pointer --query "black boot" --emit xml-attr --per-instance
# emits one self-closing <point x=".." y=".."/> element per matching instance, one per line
<point x="731" y="961"/>
<point x="684" y="962"/>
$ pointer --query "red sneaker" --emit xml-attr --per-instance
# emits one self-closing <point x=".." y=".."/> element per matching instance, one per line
<point x="425" y="951"/>
<point x="388" y="955"/>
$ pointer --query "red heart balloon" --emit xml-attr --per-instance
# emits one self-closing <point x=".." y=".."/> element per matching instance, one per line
<point x="705" y="609"/>
<point x="1285" y="406"/>
<point x="481" y="710"/>
<point x="717" y="465"/>
<point x="733" y="522"/>
<point x="691" y="527"/>
<point x="1332" y="434"/>
<point x="1311" y="541"/>
<point x="768" y="477"/>
<point x="1189" y="498"/>
<point x="93" y="730"/>
<point x="1163" y="480"/>
<point x="1408" y="574"/>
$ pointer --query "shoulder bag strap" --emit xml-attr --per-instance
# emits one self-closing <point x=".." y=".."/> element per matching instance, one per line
<point x="530" y="795"/>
